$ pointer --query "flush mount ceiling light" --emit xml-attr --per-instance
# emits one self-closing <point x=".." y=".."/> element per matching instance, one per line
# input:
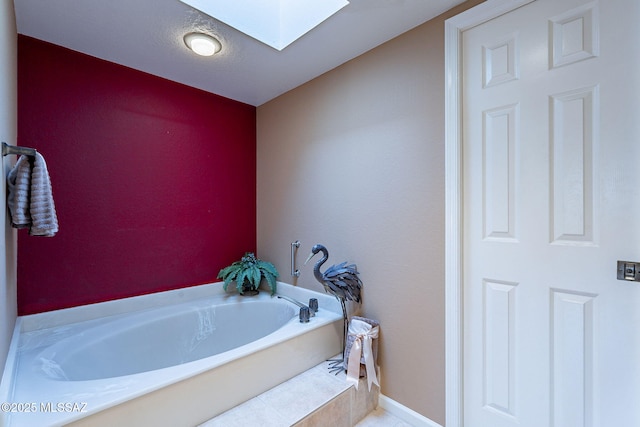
<point x="202" y="44"/>
<point x="277" y="23"/>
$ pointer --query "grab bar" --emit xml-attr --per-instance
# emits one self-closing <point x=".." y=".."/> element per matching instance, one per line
<point x="12" y="149"/>
<point x="294" y="271"/>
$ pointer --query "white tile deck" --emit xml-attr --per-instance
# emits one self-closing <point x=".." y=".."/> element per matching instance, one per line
<point x="314" y="398"/>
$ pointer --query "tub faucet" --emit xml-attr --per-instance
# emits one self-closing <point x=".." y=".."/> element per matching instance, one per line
<point x="305" y="312"/>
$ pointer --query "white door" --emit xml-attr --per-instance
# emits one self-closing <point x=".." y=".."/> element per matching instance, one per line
<point x="551" y="178"/>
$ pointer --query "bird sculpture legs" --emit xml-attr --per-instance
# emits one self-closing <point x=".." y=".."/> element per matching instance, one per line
<point x="337" y="365"/>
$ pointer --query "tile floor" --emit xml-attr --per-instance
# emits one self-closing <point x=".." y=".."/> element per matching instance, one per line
<point x="381" y="418"/>
<point x="313" y="398"/>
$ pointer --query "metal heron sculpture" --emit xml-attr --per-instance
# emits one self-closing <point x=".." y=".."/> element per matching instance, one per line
<point x="342" y="281"/>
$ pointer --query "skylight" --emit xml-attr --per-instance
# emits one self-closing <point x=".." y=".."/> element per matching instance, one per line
<point x="277" y="23"/>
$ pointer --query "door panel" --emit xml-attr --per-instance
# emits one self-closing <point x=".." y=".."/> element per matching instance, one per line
<point x="551" y="145"/>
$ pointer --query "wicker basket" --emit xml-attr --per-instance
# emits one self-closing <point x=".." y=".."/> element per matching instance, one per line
<point x="350" y="340"/>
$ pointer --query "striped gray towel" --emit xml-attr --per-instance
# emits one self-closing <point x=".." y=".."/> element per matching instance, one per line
<point x="30" y="198"/>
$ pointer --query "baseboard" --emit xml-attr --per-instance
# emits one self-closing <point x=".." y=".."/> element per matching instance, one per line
<point x="405" y="414"/>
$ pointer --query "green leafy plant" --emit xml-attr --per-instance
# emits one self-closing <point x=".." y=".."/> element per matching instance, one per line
<point x="248" y="273"/>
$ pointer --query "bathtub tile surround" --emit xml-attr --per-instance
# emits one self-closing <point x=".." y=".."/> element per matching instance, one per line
<point x="150" y="397"/>
<point x="336" y="412"/>
<point x="314" y="398"/>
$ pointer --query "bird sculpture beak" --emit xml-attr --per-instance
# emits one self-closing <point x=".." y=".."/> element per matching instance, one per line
<point x="309" y="257"/>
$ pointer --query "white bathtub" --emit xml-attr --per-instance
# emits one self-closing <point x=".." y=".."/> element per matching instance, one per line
<point x="174" y="358"/>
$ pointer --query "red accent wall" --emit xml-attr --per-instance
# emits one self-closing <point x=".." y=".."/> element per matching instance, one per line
<point x="154" y="182"/>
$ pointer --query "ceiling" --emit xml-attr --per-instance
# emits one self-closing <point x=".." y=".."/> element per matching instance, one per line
<point x="147" y="35"/>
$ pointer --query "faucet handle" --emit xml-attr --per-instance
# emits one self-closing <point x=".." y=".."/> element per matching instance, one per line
<point x="304" y="314"/>
<point x="313" y="305"/>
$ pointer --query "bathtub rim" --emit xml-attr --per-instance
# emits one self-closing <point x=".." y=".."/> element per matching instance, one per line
<point x="136" y="304"/>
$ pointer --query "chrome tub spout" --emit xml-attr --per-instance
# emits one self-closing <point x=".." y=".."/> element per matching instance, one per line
<point x="305" y="312"/>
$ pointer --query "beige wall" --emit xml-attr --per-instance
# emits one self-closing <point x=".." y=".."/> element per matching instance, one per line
<point x="8" y="134"/>
<point x="355" y="160"/>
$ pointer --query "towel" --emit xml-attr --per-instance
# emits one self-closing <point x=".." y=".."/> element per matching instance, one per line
<point x="363" y="333"/>
<point x="18" y="183"/>
<point x="30" y="198"/>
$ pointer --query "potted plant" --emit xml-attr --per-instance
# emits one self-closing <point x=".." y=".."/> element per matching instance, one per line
<point x="248" y="273"/>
